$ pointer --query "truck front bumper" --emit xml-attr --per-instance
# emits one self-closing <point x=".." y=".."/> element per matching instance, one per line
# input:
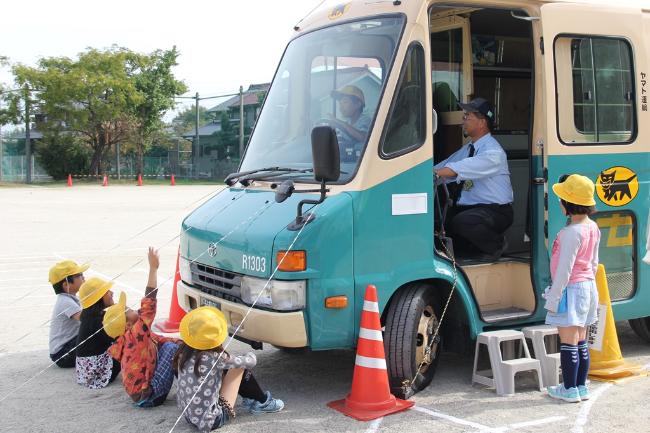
<point x="278" y="329"/>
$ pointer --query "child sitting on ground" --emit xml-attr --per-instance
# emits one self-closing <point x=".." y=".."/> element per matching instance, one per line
<point x="209" y="378"/>
<point x="94" y="366"/>
<point x="146" y="357"/>
<point x="66" y="277"/>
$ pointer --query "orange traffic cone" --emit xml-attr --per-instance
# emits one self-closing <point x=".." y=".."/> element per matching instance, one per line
<point x="176" y="313"/>
<point x="139" y="180"/>
<point x="607" y="362"/>
<point x="370" y="397"/>
<point x="105" y="182"/>
<point x="173" y="182"/>
<point x="69" y="180"/>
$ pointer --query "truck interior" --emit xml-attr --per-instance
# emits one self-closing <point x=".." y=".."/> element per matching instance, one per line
<point x="489" y="53"/>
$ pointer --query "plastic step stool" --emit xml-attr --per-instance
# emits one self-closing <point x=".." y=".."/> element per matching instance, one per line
<point x="550" y="362"/>
<point x="503" y="371"/>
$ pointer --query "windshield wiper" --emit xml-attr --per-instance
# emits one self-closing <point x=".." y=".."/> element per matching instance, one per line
<point x="245" y="177"/>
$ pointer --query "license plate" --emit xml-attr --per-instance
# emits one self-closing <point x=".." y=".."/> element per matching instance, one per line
<point x="210" y="302"/>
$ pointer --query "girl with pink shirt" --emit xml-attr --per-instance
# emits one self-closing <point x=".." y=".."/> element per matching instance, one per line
<point x="572" y="299"/>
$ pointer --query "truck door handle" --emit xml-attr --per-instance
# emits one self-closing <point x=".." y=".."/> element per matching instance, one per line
<point x="538" y="180"/>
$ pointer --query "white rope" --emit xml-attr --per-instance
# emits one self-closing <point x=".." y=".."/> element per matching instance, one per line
<point x="250" y="308"/>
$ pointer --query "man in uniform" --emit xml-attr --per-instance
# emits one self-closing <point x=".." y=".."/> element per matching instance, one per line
<point x="482" y="209"/>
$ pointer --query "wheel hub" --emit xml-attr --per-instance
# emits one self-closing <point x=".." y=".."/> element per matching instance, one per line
<point x="426" y="327"/>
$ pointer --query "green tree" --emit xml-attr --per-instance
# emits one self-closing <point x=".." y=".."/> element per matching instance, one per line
<point x="158" y="87"/>
<point x="229" y="135"/>
<point x="92" y="97"/>
<point x="185" y="120"/>
<point x="62" y="154"/>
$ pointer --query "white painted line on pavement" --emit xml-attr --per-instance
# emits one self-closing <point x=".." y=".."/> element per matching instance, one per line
<point x="22" y="270"/>
<point x="374" y="425"/>
<point x="583" y="415"/>
<point x="451" y="418"/>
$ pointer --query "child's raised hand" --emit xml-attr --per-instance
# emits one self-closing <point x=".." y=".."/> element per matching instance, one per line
<point x="154" y="258"/>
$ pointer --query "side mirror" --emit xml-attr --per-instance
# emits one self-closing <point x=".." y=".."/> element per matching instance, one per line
<point x="325" y="154"/>
<point x="434" y="123"/>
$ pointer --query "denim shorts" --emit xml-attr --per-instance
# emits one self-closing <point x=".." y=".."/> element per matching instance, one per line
<point x="582" y="306"/>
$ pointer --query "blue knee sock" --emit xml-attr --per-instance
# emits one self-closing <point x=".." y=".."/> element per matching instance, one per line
<point x="583" y="362"/>
<point x="569" y="363"/>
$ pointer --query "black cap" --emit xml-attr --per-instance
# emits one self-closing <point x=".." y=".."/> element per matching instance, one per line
<point x="479" y="105"/>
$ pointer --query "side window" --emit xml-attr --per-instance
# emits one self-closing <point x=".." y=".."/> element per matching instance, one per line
<point x="407" y="125"/>
<point x="447" y="69"/>
<point x="595" y="90"/>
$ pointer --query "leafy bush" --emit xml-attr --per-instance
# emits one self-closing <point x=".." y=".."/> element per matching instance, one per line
<point x="61" y="155"/>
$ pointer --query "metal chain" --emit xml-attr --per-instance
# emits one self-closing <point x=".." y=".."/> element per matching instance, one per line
<point x="427" y="352"/>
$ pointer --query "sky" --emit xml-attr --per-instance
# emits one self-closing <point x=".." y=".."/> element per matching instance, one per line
<point x="223" y="44"/>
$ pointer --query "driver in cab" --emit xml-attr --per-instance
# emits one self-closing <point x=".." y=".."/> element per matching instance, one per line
<point x="351" y="132"/>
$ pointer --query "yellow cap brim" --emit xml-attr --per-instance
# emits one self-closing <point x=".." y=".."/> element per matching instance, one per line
<point x="96" y="295"/>
<point x="560" y="190"/>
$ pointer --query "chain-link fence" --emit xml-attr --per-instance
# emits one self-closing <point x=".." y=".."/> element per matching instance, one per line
<point x="14" y="169"/>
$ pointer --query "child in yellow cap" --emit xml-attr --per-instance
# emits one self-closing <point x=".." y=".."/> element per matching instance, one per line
<point x="145" y="356"/>
<point x="572" y="299"/>
<point x="66" y="278"/>
<point x="94" y="366"/>
<point x="209" y="378"/>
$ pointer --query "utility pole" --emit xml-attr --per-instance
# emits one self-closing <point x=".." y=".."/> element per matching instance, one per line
<point x="195" y="150"/>
<point x="28" y="142"/>
<point x="117" y="158"/>
<point x="241" y="122"/>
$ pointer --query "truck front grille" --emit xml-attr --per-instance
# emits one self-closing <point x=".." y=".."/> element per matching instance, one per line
<point x="216" y="282"/>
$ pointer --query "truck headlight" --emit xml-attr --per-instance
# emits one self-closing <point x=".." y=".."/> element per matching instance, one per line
<point x="279" y="295"/>
<point x="185" y="270"/>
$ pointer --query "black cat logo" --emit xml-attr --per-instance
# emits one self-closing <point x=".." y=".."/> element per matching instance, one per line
<point x="617" y="186"/>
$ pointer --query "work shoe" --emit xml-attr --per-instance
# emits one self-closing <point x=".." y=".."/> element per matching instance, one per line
<point x="571" y="395"/>
<point x="584" y="392"/>
<point x="271" y="405"/>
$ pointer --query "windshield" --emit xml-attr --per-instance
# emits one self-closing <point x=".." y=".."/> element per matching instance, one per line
<point x="333" y="76"/>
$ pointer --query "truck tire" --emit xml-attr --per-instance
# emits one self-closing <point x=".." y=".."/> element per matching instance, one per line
<point x="641" y="327"/>
<point x="410" y="323"/>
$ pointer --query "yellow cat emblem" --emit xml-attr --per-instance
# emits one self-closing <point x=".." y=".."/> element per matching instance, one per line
<point x="338" y="11"/>
<point x="617" y="186"/>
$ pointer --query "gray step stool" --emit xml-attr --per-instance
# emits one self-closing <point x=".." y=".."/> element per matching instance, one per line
<point x="503" y="371"/>
<point x="550" y="362"/>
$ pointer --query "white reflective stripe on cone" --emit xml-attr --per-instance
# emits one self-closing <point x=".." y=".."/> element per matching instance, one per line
<point x="364" y="361"/>
<point x="371" y="306"/>
<point x="370" y="334"/>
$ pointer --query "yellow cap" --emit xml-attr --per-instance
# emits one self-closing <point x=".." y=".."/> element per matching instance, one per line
<point x="576" y="189"/>
<point x="64" y="269"/>
<point x="204" y="328"/>
<point x="115" y="318"/>
<point x="349" y="91"/>
<point x="92" y="291"/>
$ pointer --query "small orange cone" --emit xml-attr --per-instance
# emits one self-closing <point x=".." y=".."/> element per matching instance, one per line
<point x="176" y="313"/>
<point x="370" y="397"/>
<point x="139" y="180"/>
<point x="69" y="180"/>
<point x="173" y="182"/>
<point x="105" y="182"/>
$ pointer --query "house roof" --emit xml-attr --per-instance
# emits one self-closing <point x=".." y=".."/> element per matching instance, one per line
<point x="205" y="130"/>
<point x="250" y="98"/>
